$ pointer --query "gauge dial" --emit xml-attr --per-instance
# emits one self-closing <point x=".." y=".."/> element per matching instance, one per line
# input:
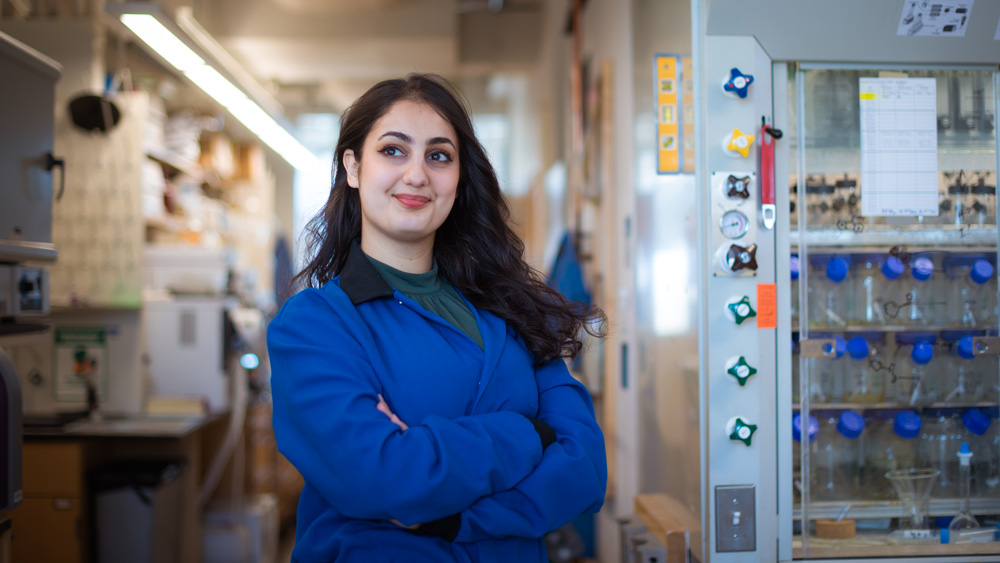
<point x="734" y="224"/>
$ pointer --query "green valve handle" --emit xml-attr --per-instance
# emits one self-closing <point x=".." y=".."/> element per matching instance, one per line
<point x="742" y="310"/>
<point x="742" y="371"/>
<point x="740" y="430"/>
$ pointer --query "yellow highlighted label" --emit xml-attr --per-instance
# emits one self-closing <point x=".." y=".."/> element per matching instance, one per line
<point x="868" y="95"/>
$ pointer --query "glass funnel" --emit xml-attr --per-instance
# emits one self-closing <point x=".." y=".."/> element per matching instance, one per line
<point x="913" y="486"/>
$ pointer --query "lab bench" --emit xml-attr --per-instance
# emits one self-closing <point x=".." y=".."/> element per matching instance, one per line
<point x="54" y="522"/>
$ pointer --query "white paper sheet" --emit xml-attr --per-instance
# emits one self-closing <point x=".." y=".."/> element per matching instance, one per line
<point x="939" y="18"/>
<point x="899" y="174"/>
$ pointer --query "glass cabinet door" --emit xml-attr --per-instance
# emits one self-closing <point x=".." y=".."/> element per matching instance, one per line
<point x="894" y="280"/>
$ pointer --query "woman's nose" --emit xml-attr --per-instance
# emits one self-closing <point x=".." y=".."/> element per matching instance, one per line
<point x="415" y="174"/>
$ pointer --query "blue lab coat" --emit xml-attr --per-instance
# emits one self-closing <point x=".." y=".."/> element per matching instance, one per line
<point x="470" y="448"/>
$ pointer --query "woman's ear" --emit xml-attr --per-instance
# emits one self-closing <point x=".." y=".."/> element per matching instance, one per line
<point x="351" y="165"/>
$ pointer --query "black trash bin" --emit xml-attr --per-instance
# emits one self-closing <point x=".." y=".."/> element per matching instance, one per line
<point x="137" y="509"/>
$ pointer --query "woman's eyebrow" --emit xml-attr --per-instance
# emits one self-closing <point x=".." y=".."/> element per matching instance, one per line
<point x="409" y="140"/>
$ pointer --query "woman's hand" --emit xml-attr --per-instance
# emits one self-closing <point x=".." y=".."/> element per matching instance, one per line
<point x="383" y="408"/>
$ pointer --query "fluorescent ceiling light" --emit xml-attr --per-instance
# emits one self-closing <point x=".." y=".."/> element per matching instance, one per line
<point x="152" y="31"/>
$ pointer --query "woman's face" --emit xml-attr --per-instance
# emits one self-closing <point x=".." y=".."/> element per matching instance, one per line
<point x="406" y="176"/>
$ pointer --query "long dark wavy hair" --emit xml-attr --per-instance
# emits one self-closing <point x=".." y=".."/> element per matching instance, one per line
<point x="475" y="248"/>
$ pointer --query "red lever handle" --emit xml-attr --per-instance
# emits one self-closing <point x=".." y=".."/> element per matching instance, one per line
<point x="768" y="135"/>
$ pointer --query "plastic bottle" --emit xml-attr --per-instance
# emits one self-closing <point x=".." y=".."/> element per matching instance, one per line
<point x="868" y="282"/>
<point x="863" y="384"/>
<point x="793" y="263"/>
<point x="915" y="378"/>
<point x="837" y="456"/>
<point x="920" y="305"/>
<point x="940" y="441"/>
<point x="828" y="299"/>
<point x="977" y="424"/>
<point x="890" y="293"/>
<point x="797" y="445"/>
<point x="891" y="446"/>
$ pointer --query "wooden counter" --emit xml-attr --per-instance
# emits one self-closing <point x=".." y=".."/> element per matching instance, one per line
<point x="672" y="525"/>
<point x="53" y="523"/>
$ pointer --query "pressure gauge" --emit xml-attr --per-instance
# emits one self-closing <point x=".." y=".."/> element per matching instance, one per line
<point x="734" y="224"/>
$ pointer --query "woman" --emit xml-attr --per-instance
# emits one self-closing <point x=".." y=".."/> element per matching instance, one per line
<point x="419" y="384"/>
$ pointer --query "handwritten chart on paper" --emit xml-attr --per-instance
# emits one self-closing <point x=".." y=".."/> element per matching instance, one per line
<point x="899" y="175"/>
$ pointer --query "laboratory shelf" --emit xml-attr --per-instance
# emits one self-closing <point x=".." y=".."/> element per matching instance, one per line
<point x="892" y="328"/>
<point x="868" y="509"/>
<point x="914" y="238"/>
<point x="879" y="406"/>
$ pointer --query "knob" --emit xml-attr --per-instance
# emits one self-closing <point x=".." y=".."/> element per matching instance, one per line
<point x="738" y="83"/>
<point x="742" y="310"/>
<point x="738" y="187"/>
<point x="740" y="430"/>
<point x="742" y="371"/>
<point x="741" y="257"/>
<point x="740" y="142"/>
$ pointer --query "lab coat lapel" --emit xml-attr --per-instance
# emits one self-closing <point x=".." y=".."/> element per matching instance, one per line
<point x="494" y="332"/>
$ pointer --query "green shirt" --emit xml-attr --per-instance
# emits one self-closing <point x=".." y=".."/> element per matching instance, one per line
<point x="433" y="294"/>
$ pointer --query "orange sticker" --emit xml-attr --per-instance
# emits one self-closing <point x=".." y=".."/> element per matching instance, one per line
<point x="767" y="305"/>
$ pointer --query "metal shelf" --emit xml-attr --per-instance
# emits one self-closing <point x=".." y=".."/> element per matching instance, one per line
<point x="862" y="509"/>
<point x="878" y="406"/>
<point x="916" y="239"/>
<point x="892" y="328"/>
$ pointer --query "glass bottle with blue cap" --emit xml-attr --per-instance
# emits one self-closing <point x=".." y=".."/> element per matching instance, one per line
<point x="891" y="290"/>
<point x="939" y="444"/>
<point x="891" y="446"/>
<point x="972" y="290"/>
<point x="828" y="294"/>
<point x="960" y="378"/>
<point x="863" y="383"/>
<point x="812" y="431"/>
<point x="977" y="434"/>
<point x="916" y="381"/>
<point x="923" y="293"/>
<point x="838" y="453"/>
<point x="867" y="290"/>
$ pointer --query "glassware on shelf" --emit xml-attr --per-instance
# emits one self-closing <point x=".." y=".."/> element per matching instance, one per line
<point x="940" y="441"/>
<point x="837" y="456"/>
<point x="867" y="307"/>
<point x="964" y="520"/>
<point x="793" y="264"/>
<point x="960" y="379"/>
<point x="913" y="488"/>
<point x="915" y="381"/>
<point x="891" y="293"/>
<point x="862" y="382"/>
<point x="890" y="447"/>
<point x="958" y="192"/>
<point x="826" y="374"/>
<point x="922" y="295"/>
<point x="971" y="535"/>
<point x="991" y="475"/>
<point x="973" y="292"/>
<point x="828" y="294"/>
<point x="813" y="430"/>
<point x="977" y="425"/>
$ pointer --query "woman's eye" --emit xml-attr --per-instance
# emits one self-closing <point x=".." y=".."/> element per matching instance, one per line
<point x="440" y="156"/>
<point x="391" y="151"/>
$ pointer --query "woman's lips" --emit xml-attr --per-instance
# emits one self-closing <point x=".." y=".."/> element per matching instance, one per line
<point x="412" y="201"/>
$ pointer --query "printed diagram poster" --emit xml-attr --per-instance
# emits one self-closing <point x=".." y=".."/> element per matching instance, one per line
<point x="899" y="175"/>
<point x="938" y="18"/>
<point x="667" y="82"/>
<point x="81" y="353"/>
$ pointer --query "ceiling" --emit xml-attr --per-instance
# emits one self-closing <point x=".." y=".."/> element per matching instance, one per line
<point x="319" y="55"/>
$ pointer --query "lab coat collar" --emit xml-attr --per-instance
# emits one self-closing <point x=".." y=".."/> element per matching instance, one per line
<point x="359" y="280"/>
